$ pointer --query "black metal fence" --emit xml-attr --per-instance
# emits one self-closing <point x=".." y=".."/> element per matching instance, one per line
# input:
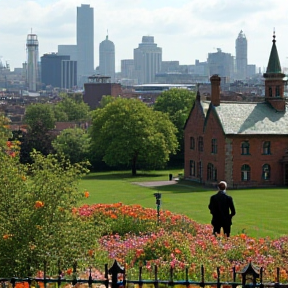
<point x="250" y="277"/>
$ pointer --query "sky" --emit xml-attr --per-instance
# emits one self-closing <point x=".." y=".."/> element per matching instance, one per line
<point x="186" y="30"/>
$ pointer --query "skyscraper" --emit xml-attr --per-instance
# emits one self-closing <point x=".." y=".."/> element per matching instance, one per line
<point x="107" y="59"/>
<point x="32" y="61"/>
<point x="241" y="56"/>
<point x="85" y="43"/>
<point x="147" y="60"/>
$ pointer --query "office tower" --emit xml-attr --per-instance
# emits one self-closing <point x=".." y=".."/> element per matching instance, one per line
<point x="70" y="50"/>
<point x="85" y="43"/>
<point x="222" y="64"/>
<point x="127" y="68"/>
<point x="32" y="61"/>
<point x="147" y="60"/>
<point x="241" y="56"/>
<point x="107" y="59"/>
<point x="51" y="65"/>
<point x="68" y="74"/>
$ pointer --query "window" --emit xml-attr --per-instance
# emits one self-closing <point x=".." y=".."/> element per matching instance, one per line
<point x="192" y="168"/>
<point x="245" y="148"/>
<point x="266" y="172"/>
<point x="270" y="91"/>
<point x="266" y="148"/>
<point x="245" y="172"/>
<point x="211" y="172"/>
<point x="199" y="169"/>
<point x="214" y="146"/>
<point x="277" y="91"/>
<point x="200" y="144"/>
<point x="192" y="143"/>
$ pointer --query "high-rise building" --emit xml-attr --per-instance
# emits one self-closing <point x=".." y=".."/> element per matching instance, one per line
<point x="107" y="59"/>
<point x="51" y="65"/>
<point x="147" y="60"/>
<point x="222" y="64"/>
<point x="70" y="50"/>
<point x="32" y="61"/>
<point x="85" y="43"/>
<point x="68" y="74"/>
<point x="241" y="56"/>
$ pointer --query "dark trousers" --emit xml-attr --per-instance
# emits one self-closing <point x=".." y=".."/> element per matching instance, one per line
<point x="226" y="229"/>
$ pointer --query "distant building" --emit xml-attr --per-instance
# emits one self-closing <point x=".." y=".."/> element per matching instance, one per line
<point x="70" y="50"/>
<point x="251" y="70"/>
<point x="147" y="60"/>
<point x="127" y="68"/>
<point x="51" y="68"/>
<point x="222" y="64"/>
<point x="85" y="43"/>
<point x="68" y="74"/>
<point x="98" y="86"/>
<point x="169" y="66"/>
<point x="107" y="59"/>
<point x="241" y="56"/>
<point x="243" y="143"/>
<point x="32" y="46"/>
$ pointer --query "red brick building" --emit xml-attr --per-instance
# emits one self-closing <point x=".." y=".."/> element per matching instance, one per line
<point x="245" y="144"/>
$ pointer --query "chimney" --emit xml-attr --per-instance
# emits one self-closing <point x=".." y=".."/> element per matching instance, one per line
<point x="215" y="89"/>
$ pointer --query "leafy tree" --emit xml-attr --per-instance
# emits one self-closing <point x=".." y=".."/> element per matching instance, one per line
<point x="75" y="109"/>
<point x="127" y="132"/>
<point x="37" y="113"/>
<point x="37" y="138"/>
<point x="74" y="144"/>
<point x="177" y="103"/>
<point x="106" y="99"/>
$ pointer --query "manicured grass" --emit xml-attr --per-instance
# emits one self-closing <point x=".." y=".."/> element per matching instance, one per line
<point x="260" y="212"/>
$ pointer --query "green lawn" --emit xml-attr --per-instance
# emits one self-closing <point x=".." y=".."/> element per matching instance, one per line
<point x="260" y="212"/>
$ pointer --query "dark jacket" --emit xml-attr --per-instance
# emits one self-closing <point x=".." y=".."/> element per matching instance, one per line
<point x="222" y="208"/>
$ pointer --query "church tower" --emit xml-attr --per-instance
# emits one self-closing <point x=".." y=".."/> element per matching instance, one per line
<point x="274" y="80"/>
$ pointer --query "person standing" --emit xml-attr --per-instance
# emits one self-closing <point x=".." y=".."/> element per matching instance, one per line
<point x="222" y="209"/>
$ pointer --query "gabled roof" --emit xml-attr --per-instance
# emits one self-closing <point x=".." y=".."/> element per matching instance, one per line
<point x="274" y="62"/>
<point x="251" y="118"/>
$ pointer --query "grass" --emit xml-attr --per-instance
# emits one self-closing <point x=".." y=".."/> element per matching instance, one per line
<point x="259" y="212"/>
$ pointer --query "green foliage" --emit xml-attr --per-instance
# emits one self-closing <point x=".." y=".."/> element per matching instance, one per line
<point x="177" y="103"/>
<point x="74" y="143"/>
<point x="106" y="99"/>
<point x="127" y="132"/>
<point x="73" y="106"/>
<point x="40" y="113"/>
<point x="36" y="219"/>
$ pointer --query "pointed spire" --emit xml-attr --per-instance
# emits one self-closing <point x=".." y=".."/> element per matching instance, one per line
<point x="198" y="97"/>
<point x="274" y="62"/>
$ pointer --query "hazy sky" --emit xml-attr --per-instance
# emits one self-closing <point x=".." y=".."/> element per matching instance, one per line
<point x="185" y="29"/>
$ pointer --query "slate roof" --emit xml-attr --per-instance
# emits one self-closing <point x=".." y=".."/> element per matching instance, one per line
<point x="251" y="118"/>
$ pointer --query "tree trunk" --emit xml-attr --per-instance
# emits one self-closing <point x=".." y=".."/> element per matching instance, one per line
<point x="134" y="161"/>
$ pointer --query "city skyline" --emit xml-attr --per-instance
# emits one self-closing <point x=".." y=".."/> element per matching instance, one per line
<point x="186" y="29"/>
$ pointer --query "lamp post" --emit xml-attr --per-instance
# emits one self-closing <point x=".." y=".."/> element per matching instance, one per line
<point x="158" y="203"/>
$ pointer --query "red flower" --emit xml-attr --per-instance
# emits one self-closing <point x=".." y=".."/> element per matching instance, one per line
<point x="39" y="204"/>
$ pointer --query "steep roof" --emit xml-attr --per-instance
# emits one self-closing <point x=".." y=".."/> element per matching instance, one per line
<point x="251" y="118"/>
<point x="274" y="62"/>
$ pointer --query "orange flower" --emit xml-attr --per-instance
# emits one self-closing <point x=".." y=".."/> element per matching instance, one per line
<point x="69" y="271"/>
<point x="6" y="236"/>
<point x="38" y="204"/>
<point x="74" y="210"/>
<point x="22" y="285"/>
<point x="177" y="251"/>
<point x="86" y="194"/>
<point x="9" y="144"/>
<point x="23" y="178"/>
<point x="90" y="252"/>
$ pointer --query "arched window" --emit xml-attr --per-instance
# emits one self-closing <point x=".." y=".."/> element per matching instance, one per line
<point x="211" y="172"/>
<point x="266" y="171"/>
<point x="192" y="168"/>
<point x="245" y="172"/>
<point x="192" y="143"/>
<point x="200" y="144"/>
<point x="214" y="146"/>
<point x="245" y="148"/>
<point x="266" y="148"/>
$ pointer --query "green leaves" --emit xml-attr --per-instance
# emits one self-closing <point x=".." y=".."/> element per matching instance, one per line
<point x="128" y="132"/>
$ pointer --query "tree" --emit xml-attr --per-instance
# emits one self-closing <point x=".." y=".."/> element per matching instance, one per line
<point x="75" y="109"/>
<point x="106" y="99"/>
<point x="128" y="132"/>
<point x="177" y="103"/>
<point x="74" y="144"/>
<point x="43" y="113"/>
